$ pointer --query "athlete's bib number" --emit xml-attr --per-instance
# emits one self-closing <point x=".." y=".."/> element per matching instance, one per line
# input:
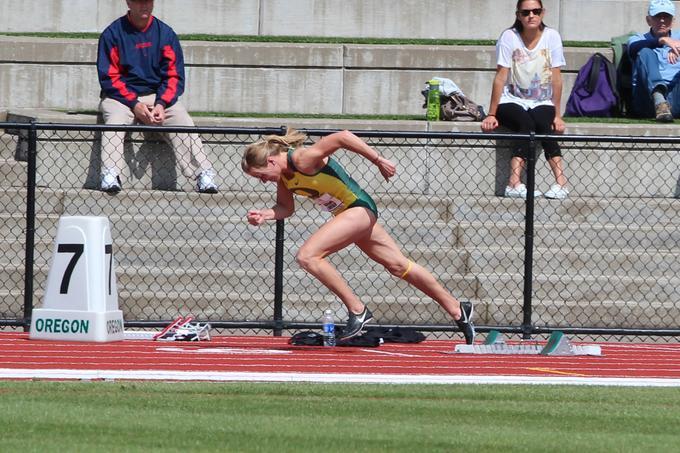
<point x="328" y="203"/>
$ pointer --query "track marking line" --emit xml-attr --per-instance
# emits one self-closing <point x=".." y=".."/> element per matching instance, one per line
<point x="143" y="375"/>
<point x="549" y="370"/>
<point x="228" y="351"/>
<point x="398" y="354"/>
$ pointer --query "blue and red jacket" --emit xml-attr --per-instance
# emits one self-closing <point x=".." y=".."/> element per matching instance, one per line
<point x="133" y="62"/>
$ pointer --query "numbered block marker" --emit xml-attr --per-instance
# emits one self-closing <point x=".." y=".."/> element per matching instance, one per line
<point x="81" y="296"/>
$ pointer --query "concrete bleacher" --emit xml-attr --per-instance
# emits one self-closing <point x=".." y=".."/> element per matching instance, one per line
<point x="577" y="20"/>
<point x="295" y="78"/>
<point x="324" y="79"/>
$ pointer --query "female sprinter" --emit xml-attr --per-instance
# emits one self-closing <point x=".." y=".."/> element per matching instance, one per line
<point x="311" y="172"/>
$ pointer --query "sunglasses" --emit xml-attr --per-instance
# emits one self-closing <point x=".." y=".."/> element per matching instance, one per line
<point x="526" y="12"/>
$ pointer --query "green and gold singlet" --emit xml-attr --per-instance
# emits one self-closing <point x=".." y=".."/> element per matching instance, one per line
<point x="331" y="187"/>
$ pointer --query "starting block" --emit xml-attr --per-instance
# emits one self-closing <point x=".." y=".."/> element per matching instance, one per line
<point x="557" y="345"/>
<point x="81" y="296"/>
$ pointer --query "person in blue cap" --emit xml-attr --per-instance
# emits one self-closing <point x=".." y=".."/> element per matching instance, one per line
<point x="656" y="57"/>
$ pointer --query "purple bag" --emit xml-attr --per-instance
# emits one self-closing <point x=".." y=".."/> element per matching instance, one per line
<point x="594" y="92"/>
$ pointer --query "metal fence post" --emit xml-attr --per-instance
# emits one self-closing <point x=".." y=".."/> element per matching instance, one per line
<point x="527" y="327"/>
<point x="278" y="279"/>
<point x="30" y="225"/>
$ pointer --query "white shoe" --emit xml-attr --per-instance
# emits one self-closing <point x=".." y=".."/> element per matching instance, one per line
<point x="205" y="182"/>
<point x="520" y="192"/>
<point x="557" y="192"/>
<point x="110" y="182"/>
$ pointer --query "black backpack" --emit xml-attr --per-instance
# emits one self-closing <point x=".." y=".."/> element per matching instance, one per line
<point x="624" y="71"/>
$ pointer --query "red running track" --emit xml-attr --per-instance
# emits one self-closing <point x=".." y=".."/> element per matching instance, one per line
<point x="273" y="359"/>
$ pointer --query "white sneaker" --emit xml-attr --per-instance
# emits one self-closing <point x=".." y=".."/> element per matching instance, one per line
<point x="557" y="192"/>
<point x="205" y="182"/>
<point x="110" y="182"/>
<point x="520" y="192"/>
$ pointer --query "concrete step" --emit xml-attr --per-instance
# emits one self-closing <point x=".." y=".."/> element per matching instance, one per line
<point x="354" y="79"/>
<point x="582" y="262"/>
<point x="594" y="289"/>
<point x="596" y="210"/>
<point x="303" y="308"/>
<point x="13" y="201"/>
<point x="231" y="305"/>
<point x="12" y="173"/>
<point x="471" y="235"/>
<point x="427" y="19"/>
<point x="606" y="170"/>
<point x="13" y="226"/>
<point x="411" y="208"/>
<point x="176" y="257"/>
<point x="608" y="313"/>
<point x="132" y="202"/>
<point x="8" y="145"/>
<point x="152" y="203"/>
<point x="12" y="303"/>
<point x="589" y="290"/>
<point x="204" y="254"/>
<point x="657" y="237"/>
<point x="411" y="234"/>
<point x="167" y="280"/>
<point x="239" y="306"/>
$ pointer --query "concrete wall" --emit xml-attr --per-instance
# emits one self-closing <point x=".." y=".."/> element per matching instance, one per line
<point x="263" y="77"/>
<point x="577" y="20"/>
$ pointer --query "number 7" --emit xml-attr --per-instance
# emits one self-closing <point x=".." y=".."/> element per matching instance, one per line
<point x="77" y="250"/>
<point x="108" y="250"/>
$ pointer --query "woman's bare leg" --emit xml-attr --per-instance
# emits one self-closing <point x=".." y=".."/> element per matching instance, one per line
<point x="556" y="167"/>
<point x="336" y="234"/>
<point x="516" y="167"/>
<point x="381" y="248"/>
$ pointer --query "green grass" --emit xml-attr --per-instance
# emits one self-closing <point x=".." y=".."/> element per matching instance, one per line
<point x="114" y="416"/>
<point x="313" y="39"/>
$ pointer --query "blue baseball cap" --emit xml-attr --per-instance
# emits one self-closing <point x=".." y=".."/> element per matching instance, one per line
<point x="661" y="6"/>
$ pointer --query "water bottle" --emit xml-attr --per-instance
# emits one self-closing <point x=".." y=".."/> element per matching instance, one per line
<point x="433" y="100"/>
<point x="328" y="329"/>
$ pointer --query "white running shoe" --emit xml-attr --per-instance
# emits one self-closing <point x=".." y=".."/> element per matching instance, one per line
<point x="557" y="192"/>
<point x="110" y="182"/>
<point x="520" y="192"/>
<point x="205" y="182"/>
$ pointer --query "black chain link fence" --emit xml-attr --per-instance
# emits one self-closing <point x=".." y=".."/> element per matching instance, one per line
<point x="604" y="261"/>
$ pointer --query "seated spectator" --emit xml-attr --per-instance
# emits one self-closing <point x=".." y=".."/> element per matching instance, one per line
<point x="656" y="57"/>
<point x="527" y="91"/>
<point x="141" y="73"/>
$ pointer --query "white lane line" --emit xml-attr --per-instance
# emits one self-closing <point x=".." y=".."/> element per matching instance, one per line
<point x="236" y="351"/>
<point x="398" y="354"/>
<point x="159" y="375"/>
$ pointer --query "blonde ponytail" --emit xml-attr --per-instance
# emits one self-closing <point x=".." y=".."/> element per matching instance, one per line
<point x="255" y="155"/>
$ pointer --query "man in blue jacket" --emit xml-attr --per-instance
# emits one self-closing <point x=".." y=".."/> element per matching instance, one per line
<point x="141" y="73"/>
<point x="656" y="56"/>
